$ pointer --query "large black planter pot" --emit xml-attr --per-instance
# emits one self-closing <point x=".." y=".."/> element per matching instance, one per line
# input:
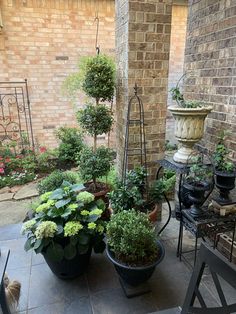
<point x="69" y="269"/>
<point x="225" y="182"/>
<point x="134" y="276"/>
<point x="196" y="196"/>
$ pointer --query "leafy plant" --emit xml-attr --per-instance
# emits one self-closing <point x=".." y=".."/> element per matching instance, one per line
<point x="132" y="238"/>
<point x="96" y="77"/>
<point x="198" y="171"/>
<point x="220" y="156"/>
<point x="46" y="160"/>
<point x="179" y="97"/>
<point x="162" y="185"/>
<point x="129" y="194"/>
<point x="95" y="164"/>
<point x="66" y="221"/>
<point x="71" y="144"/>
<point x="55" y="180"/>
<point x="95" y="120"/>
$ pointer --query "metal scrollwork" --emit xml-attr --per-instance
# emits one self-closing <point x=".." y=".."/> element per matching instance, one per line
<point x="15" y="114"/>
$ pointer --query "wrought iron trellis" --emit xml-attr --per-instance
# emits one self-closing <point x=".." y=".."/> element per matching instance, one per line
<point x="140" y="150"/>
<point x="15" y="115"/>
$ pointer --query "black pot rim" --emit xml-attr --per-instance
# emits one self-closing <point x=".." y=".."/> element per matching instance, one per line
<point x="159" y="259"/>
<point x="205" y="186"/>
<point x="225" y="174"/>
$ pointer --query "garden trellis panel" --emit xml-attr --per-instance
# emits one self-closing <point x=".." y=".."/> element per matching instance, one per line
<point x="15" y="116"/>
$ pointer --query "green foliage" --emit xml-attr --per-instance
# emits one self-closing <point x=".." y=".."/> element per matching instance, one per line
<point x="132" y="238"/>
<point x="96" y="77"/>
<point x="169" y="146"/>
<point x="95" y="164"/>
<point x="55" y="179"/>
<point x="179" y="98"/>
<point x="99" y="78"/>
<point x="220" y="156"/>
<point x="95" y="120"/>
<point x="71" y="144"/>
<point x="46" y="160"/>
<point x="111" y="178"/>
<point x="162" y="185"/>
<point x="198" y="171"/>
<point x="66" y="221"/>
<point x="128" y="195"/>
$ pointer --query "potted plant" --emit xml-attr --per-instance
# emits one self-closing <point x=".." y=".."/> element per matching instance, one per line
<point x="157" y="190"/>
<point x="66" y="226"/>
<point x="225" y="171"/>
<point x="132" y="246"/>
<point x="197" y="182"/>
<point x="129" y="194"/>
<point x="189" y="118"/>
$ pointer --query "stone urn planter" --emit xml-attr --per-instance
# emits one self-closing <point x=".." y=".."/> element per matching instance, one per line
<point x="189" y="128"/>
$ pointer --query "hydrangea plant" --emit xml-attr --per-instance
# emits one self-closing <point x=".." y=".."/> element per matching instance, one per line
<point x="66" y="221"/>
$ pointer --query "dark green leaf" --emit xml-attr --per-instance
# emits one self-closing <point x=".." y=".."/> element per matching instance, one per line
<point x="37" y="244"/>
<point x="28" y="245"/>
<point x="62" y="203"/>
<point x="56" y="195"/>
<point x="70" y="251"/>
<point x="82" y="249"/>
<point x="55" y="252"/>
<point x="83" y="238"/>
<point x="77" y="187"/>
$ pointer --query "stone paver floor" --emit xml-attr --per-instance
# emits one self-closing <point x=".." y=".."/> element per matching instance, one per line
<point x="99" y="290"/>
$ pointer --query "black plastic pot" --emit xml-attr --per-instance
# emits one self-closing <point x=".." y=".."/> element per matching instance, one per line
<point x="69" y="269"/>
<point x="134" y="276"/>
<point x="225" y="182"/>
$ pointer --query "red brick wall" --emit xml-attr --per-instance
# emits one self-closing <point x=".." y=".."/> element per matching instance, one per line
<point x="35" y="34"/>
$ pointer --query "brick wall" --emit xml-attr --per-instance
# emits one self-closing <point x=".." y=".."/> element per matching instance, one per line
<point x="211" y="56"/>
<point x="43" y="41"/>
<point x="176" y="61"/>
<point x="145" y="46"/>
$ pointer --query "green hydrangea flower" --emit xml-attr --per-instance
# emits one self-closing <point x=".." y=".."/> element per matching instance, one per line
<point x="84" y="212"/>
<point x="42" y="208"/>
<point x="100" y="229"/>
<point x="91" y="225"/>
<point x="72" y="228"/>
<point x="28" y="225"/>
<point x="96" y="212"/>
<point x="46" y="229"/>
<point x="73" y="206"/>
<point x="44" y="197"/>
<point x="85" y="197"/>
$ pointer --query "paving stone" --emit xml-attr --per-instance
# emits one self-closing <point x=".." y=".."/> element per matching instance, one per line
<point x="79" y="305"/>
<point x="114" y="301"/>
<point x="4" y="190"/>
<point x="10" y="232"/>
<point x="52" y="289"/>
<point x="27" y="191"/>
<point x="6" y="197"/>
<point x="12" y="212"/>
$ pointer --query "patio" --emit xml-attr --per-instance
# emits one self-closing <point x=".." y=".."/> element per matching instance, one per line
<point x="99" y="290"/>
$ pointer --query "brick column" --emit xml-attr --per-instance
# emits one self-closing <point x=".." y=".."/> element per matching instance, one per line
<point x="142" y="49"/>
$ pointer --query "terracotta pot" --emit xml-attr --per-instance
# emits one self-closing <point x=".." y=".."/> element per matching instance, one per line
<point x="155" y="213"/>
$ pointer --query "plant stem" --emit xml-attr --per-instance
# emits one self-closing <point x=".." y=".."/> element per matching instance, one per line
<point x="95" y="143"/>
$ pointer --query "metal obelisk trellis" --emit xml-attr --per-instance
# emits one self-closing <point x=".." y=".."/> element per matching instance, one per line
<point x="140" y="150"/>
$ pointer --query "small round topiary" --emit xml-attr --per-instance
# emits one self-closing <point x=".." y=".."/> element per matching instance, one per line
<point x="132" y="238"/>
